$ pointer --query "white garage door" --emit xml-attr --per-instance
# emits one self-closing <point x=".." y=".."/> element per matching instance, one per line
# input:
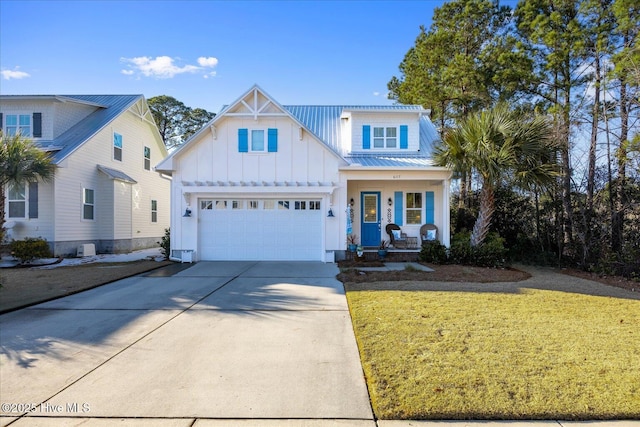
<point x="260" y="229"/>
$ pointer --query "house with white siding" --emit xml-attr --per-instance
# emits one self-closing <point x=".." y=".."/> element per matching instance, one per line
<point x="105" y="190"/>
<point x="264" y="181"/>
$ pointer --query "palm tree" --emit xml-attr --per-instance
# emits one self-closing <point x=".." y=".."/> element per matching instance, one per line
<point x="21" y="161"/>
<point x="501" y="146"/>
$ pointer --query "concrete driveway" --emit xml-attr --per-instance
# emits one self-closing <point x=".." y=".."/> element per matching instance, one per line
<point x="220" y="343"/>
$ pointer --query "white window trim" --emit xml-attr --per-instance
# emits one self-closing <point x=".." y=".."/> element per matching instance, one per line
<point x="145" y="158"/>
<point x="25" y="201"/>
<point x="265" y="141"/>
<point x="421" y="208"/>
<point x="154" y="211"/>
<point x="385" y="138"/>
<point x="84" y="195"/>
<point x="113" y="147"/>
<point x="17" y="126"/>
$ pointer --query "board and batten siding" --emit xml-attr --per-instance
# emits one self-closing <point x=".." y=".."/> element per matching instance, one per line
<point x="220" y="160"/>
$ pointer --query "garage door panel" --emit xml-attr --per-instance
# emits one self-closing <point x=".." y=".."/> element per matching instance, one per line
<point x="262" y="230"/>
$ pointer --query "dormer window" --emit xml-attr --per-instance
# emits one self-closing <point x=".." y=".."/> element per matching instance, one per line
<point x="18" y="123"/>
<point x="385" y="137"/>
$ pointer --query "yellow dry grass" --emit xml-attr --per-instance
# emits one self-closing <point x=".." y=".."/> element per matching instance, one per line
<point x="532" y="354"/>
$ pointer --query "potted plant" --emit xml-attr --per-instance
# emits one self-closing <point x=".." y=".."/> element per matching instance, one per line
<point x="382" y="249"/>
<point x="359" y="251"/>
<point x="352" y="242"/>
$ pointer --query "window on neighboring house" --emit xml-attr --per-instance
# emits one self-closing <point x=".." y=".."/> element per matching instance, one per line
<point x="18" y="123"/>
<point x="147" y="158"/>
<point x="252" y="204"/>
<point x="154" y="211"/>
<point x="257" y="141"/>
<point x="17" y="199"/>
<point x="88" y="205"/>
<point x="314" y="205"/>
<point x="117" y="147"/>
<point x="385" y="137"/>
<point x="414" y="208"/>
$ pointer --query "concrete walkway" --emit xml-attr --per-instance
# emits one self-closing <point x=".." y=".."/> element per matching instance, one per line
<point x="214" y="343"/>
<point x="218" y="344"/>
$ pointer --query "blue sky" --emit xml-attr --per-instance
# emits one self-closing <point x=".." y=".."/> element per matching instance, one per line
<point x="207" y="53"/>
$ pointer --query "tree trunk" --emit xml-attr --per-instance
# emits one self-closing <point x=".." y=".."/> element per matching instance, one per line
<point x="617" y="237"/>
<point x="487" y="206"/>
<point x="566" y="171"/>
<point x="591" y="173"/>
<point x="2" y="213"/>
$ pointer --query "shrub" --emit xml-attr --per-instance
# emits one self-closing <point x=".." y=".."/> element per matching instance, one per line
<point x="30" y="248"/>
<point x="165" y="243"/>
<point x="491" y="253"/>
<point x="434" y="252"/>
<point x="460" y="251"/>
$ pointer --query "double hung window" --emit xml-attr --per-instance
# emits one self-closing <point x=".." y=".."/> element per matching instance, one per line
<point x="117" y="147"/>
<point x="88" y="204"/>
<point x="17" y="201"/>
<point x="385" y="137"/>
<point x="414" y="208"/>
<point x="154" y="211"/>
<point x="147" y="158"/>
<point x="18" y="123"/>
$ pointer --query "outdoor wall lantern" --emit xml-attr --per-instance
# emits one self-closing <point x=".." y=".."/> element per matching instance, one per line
<point x="330" y="214"/>
<point x="390" y="202"/>
<point x="351" y="202"/>
<point x="187" y="212"/>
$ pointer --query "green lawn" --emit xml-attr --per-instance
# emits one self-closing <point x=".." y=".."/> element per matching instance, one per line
<point x="532" y="354"/>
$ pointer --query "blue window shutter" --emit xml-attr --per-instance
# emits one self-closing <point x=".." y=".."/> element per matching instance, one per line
<point x="398" y="199"/>
<point x="366" y="137"/>
<point x="243" y="140"/>
<point x="1" y="121"/>
<point x="37" y="125"/>
<point x="33" y="200"/>
<point x="430" y="207"/>
<point x="272" y="140"/>
<point x="404" y="137"/>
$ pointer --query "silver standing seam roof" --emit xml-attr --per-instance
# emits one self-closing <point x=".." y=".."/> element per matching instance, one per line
<point x="324" y="122"/>
<point x="108" y="107"/>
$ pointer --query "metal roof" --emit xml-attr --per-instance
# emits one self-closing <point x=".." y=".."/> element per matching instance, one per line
<point x="116" y="174"/>
<point x="324" y="122"/>
<point x="107" y="108"/>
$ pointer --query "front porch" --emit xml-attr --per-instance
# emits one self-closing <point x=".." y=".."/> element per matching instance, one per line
<point x="408" y="201"/>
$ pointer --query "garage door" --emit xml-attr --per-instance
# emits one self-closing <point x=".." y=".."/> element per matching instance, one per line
<point x="260" y="229"/>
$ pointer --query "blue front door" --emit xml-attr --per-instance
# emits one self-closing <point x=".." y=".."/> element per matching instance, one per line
<point x="370" y="218"/>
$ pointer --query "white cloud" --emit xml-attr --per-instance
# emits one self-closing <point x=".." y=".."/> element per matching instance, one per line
<point x="208" y="62"/>
<point x="14" y="74"/>
<point x="376" y="93"/>
<point x="164" y="67"/>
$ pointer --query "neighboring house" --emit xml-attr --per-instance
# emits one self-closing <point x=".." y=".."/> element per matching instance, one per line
<point x="105" y="190"/>
<point x="263" y="181"/>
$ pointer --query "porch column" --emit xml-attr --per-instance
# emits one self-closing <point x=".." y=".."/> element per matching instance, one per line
<point x="446" y="215"/>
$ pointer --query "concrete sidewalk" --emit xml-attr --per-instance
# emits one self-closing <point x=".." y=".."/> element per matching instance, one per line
<point x="213" y="343"/>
